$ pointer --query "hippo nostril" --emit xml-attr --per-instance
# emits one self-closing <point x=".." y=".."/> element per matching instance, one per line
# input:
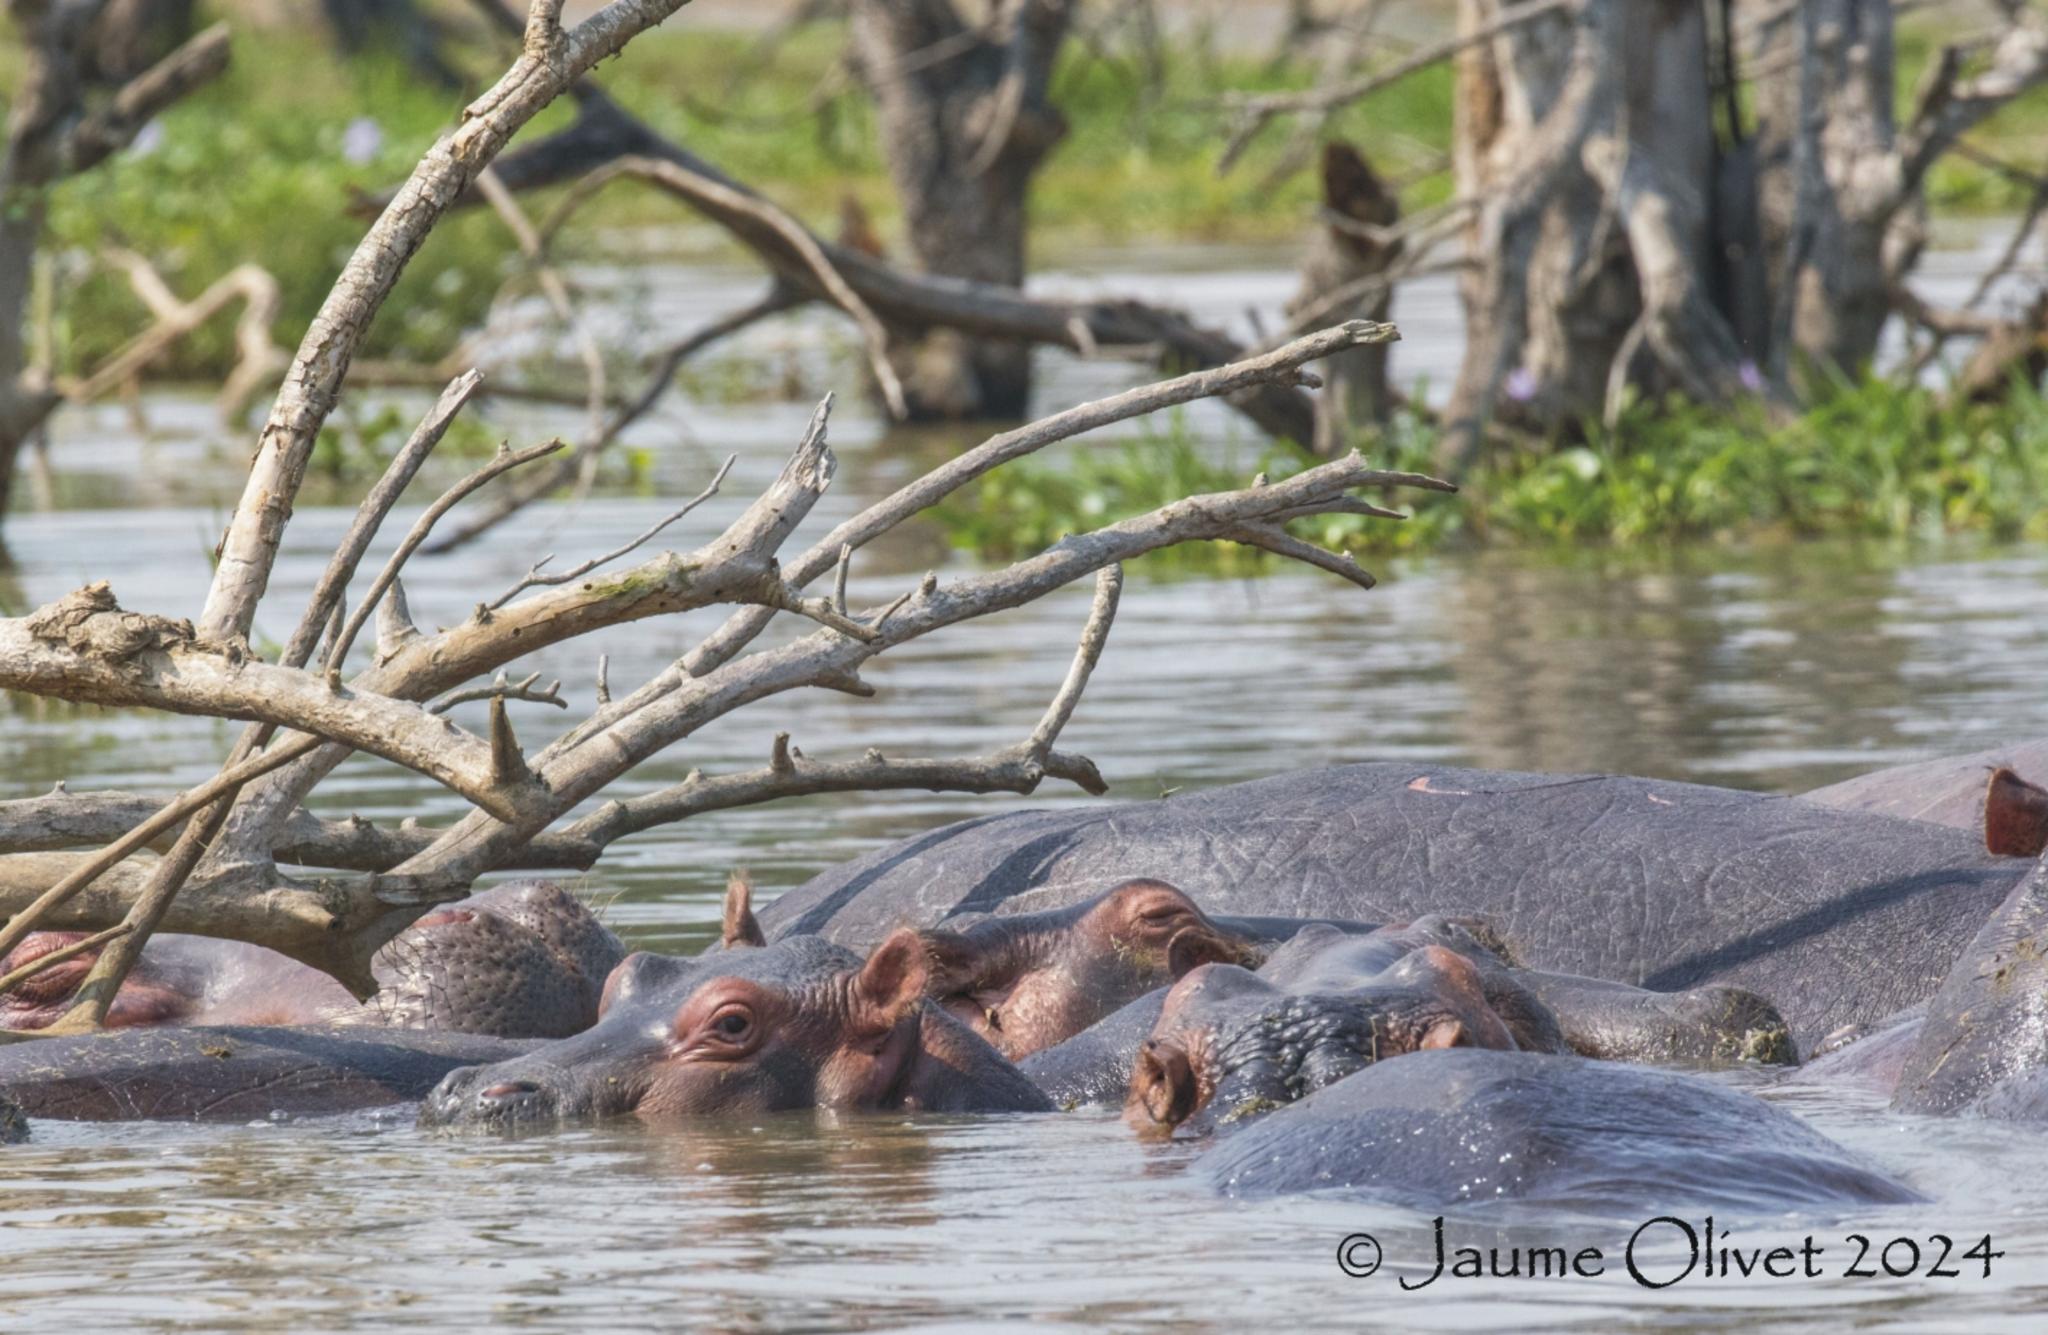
<point x="509" y="1089"/>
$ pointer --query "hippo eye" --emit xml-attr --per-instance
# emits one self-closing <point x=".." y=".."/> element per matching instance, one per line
<point x="732" y="1024"/>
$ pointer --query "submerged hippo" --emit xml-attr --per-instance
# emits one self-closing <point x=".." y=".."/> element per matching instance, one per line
<point x="1031" y="980"/>
<point x="1544" y="1012"/>
<point x="1470" y="1127"/>
<point x="233" y="1073"/>
<point x="526" y="959"/>
<point x="797" y="1024"/>
<point x="1714" y="1025"/>
<point x="1838" y="917"/>
<point x="1230" y="1045"/>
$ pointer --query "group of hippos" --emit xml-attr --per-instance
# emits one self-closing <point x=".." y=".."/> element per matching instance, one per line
<point x="1428" y="985"/>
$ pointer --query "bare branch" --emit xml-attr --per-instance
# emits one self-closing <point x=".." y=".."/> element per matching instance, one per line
<point x="501" y="689"/>
<point x="1109" y="587"/>
<point x="552" y="288"/>
<point x="1254" y="111"/>
<point x="823" y="269"/>
<point x="14" y="979"/>
<point x="250" y="545"/>
<point x="504" y="461"/>
<point x="256" y="356"/>
<point x="222" y="784"/>
<point x="199" y="60"/>
<point x="536" y="577"/>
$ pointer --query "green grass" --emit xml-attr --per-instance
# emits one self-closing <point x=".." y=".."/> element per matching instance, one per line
<point x="1873" y="460"/>
<point x="251" y="168"/>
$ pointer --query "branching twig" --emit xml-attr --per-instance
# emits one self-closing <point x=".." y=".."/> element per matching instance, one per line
<point x="1254" y="111"/>
<point x="504" y="461"/>
<point x="536" y="577"/>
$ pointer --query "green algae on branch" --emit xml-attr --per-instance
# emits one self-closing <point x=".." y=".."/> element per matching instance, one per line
<point x="1871" y="460"/>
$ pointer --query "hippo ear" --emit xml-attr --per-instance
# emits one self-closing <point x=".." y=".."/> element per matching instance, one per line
<point x="1445" y="1034"/>
<point x="1192" y="947"/>
<point x="952" y="962"/>
<point x="740" y="927"/>
<point x="1162" y="1086"/>
<point x="2015" y="816"/>
<point x="892" y="983"/>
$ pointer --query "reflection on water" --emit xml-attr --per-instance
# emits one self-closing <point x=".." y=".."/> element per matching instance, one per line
<point x="1773" y="667"/>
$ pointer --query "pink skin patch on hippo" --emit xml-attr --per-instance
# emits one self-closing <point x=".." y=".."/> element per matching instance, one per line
<point x="1422" y="785"/>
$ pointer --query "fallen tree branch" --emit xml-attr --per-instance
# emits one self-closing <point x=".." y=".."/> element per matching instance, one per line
<point x="1282" y="365"/>
<point x="256" y="356"/>
<point x="554" y="58"/>
<point x="605" y="132"/>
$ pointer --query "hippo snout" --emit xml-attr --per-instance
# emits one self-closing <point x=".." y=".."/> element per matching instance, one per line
<point x="478" y="1096"/>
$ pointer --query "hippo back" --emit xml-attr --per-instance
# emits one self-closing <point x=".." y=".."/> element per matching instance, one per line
<point x="1467" y="1127"/>
<point x="1945" y="791"/>
<point x="1837" y="917"/>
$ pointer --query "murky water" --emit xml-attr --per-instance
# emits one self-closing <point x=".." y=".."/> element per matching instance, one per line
<point x="1774" y="667"/>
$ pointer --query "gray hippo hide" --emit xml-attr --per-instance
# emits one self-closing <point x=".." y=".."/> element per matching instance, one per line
<point x="1949" y="790"/>
<point x="1837" y="917"/>
<point x="1470" y="1128"/>
<point x="232" y="1073"/>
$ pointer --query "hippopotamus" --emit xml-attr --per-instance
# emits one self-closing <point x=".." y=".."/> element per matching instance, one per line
<point x="1713" y="1025"/>
<point x="525" y="959"/>
<point x="1544" y="1012"/>
<point x="1838" y="917"/>
<point x="743" y="1030"/>
<point x="1031" y="980"/>
<point x="1230" y="1044"/>
<point x="233" y="1073"/>
<point x="1951" y="790"/>
<point x="1984" y="1042"/>
<point x="1472" y="1127"/>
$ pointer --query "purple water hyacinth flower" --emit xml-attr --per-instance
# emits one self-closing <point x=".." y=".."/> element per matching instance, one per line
<point x="361" y="141"/>
<point x="148" y="139"/>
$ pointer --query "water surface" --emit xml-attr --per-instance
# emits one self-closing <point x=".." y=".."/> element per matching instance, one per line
<point x="1772" y="667"/>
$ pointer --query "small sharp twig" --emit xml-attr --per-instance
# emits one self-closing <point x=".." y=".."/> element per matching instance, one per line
<point x="536" y="577"/>
<point x="504" y="461"/>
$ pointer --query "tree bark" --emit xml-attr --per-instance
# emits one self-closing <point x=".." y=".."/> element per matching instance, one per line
<point x="1354" y="243"/>
<point x="80" y="100"/>
<point x="965" y="121"/>
<point x="1594" y="257"/>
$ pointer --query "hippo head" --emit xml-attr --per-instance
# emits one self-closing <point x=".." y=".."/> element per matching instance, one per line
<point x="147" y="996"/>
<point x="523" y="960"/>
<point x="1229" y="1045"/>
<point x="1028" y="981"/>
<point x="797" y="1024"/>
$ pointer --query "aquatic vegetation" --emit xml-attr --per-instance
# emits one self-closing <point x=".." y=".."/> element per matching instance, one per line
<point x="1872" y="459"/>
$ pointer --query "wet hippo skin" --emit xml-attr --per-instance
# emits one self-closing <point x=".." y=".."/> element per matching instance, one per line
<point x="1835" y="917"/>
<point x="233" y="1073"/>
<point x="1468" y="1127"/>
<point x="1948" y="790"/>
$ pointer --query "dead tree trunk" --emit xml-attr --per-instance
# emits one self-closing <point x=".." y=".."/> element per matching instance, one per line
<point x="79" y="101"/>
<point x="1840" y="176"/>
<point x="1594" y="260"/>
<point x="965" y="122"/>
<point x="1355" y="245"/>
